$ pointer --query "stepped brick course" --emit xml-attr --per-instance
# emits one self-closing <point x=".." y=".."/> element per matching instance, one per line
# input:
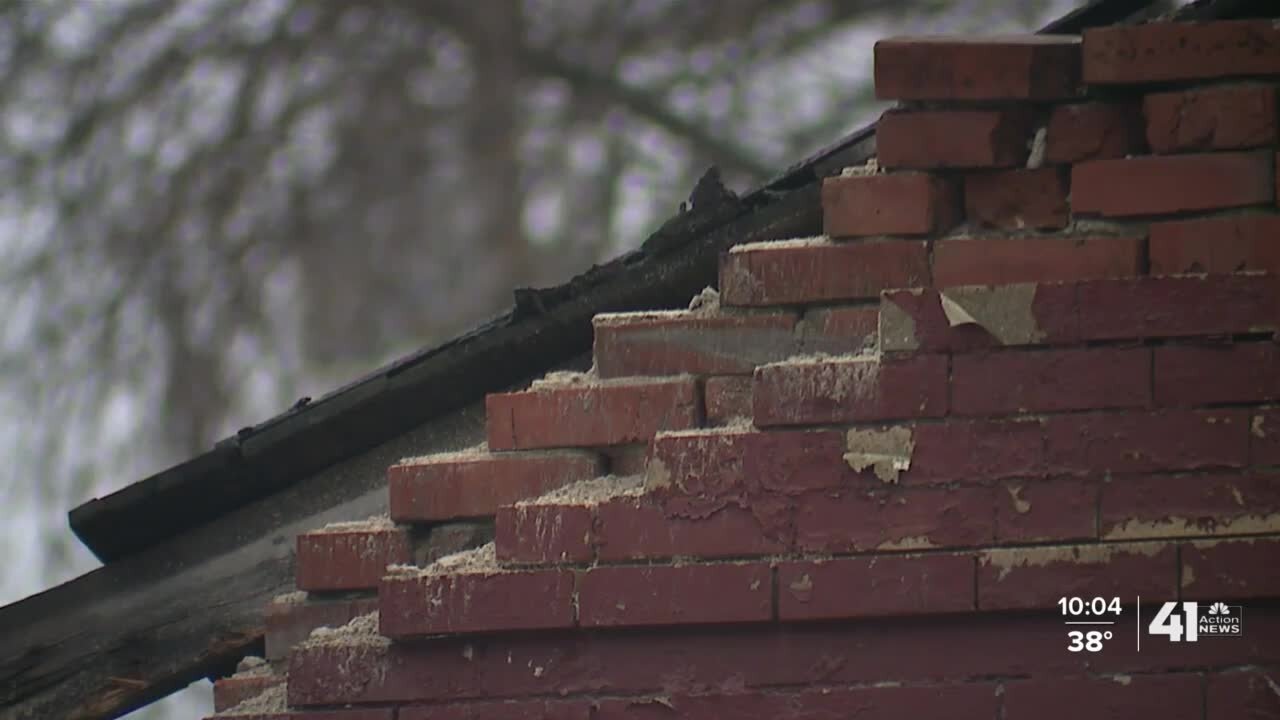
<point x="1032" y="357"/>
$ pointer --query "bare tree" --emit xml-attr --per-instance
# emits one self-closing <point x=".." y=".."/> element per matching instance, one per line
<point x="212" y="206"/>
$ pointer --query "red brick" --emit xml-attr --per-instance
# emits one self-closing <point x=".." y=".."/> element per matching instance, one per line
<point x="727" y="398"/>
<point x="905" y="203"/>
<point x="976" y="701"/>
<point x="1231" y="569"/>
<point x="1264" y="437"/>
<point x="289" y="623"/>
<point x="630" y="528"/>
<point x="1057" y="509"/>
<point x="908" y="519"/>
<point x="675" y="343"/>
<point x="675" y="595"/>
<point x="1223" y="244"/>
<point x="1169" y="697"/>
<point x="875" y="586"/>
<point x="465" y="485"/>
<point x="501" y="710"/>
<point x="961" y="647"/>
<point x="1036" y="577"/>
<point x="361" y="714"/>
<point x="470" y="602"/>
<point x="781" y="274"/>
<point x="929" y="139"/>
<point x="839" y="330"/>
<point x="1003" y="383"/>
<point x="832" y="390"/>
<point x="231" y="691"/>
<point x="1011" y="67"/>
<point x="1188" y="505"/>
<point x="543" y="534"/>
<point x="1158" y="52"/>
<point x="1004" y="260"/>
<point x="967" y="451"/>
<point x="1093" y="131"/>
<point x="1017" y="199"/>
<point x="1142" y="442"/>
<point x="334" y="559"/>
<point x="1153" y="185"/>
<point x="607" y="413"/>
<point x="1226" y="117"/>
<point x="1243" y="694"/>
<point x="1165" y="307"/>
<point x="1221" y="373"/>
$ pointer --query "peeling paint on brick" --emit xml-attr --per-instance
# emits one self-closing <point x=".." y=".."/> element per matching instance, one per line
<point x="1006" y="560"/>
<point x="887" y="452"/>
<point x="1015" y="493"/>
<point x="1174" y="526"/>
<point x="1004" y="311"/>
<point x="897" y="327"/>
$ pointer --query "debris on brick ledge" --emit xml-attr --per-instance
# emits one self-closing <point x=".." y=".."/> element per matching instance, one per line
<point x="290" y="598"/>
<point x="591" y="492"/>
<point x="253" y="666"/>
<point x="272" y="701"/>
<point x="375" y="523"/>
<point x="362" y="630"/>
<point x="477" y="561"/>
<point x="870" y="167"/>
<point x="562" y="378"/>
<point x="815" y="241"/>
<point x="706" y="302"/>
<point x="471" y="453"/>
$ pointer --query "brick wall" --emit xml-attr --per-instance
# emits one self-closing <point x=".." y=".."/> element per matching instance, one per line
<point x="1033" y="357"/>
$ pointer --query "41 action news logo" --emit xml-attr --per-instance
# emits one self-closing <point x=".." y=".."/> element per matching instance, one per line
<point x="1190" y="621"/>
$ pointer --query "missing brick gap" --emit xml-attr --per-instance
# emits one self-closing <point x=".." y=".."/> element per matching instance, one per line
<point x="1036" y="148"/>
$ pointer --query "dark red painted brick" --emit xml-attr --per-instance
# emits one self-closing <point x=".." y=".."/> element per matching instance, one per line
<point x="1174" y="696"/>
<point x="289" y="623"/>
<point x="1158" y="52"/>
<point x="727" y="398"/>
<point x="463" y="485"/>
<point x="1259" y="645"/>
<point x="1036" y="577"/>
<point x="630" y="528"/>
<point x="334" y="559"/>
<point x="1167" y="307"/>
<point x="1004" y="383"/>
<point x="1264" y="437"/>
<point x="1018" y="199"/>
<point x="875" y="586"/>
<point x="675" y="343"/>
<point x="610" y="413"/>
<point x="360" y="714"/>
<point x="961" y="647"/>
<point x="781" y="274"/>
<point x="675" y="595"/>
<point x="501" y="710"/>
<point x="1005" y="260"/>
<point x="1142" y="442"/>
<point x="704" y="467"/>
<point x="1243" y="694"/>
<point x="1221" y="373"/>
<point x="1223" y="244"/>
<point x="1232" y="569"/>
<point x="977" y="701"/>
<point x="543" y="534"/>
<point x="832" y="390"/>
<point x="1012" y="67"/>
<point x="231" y="691"/>
<point x="1225" y="117"/>
<point x="1153" y="185"/>
<point x="1187" y="505"/>
<point x="1093" y="131"/>
<point x="966" y="451"/>
<point x="908" y="519"/>
<point x="905" y="203"/>
<point x="839" y="330"/>
<point x="472" y="602"/>
<point x="1056" y="509"/>
<point x="930" y="139"/>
